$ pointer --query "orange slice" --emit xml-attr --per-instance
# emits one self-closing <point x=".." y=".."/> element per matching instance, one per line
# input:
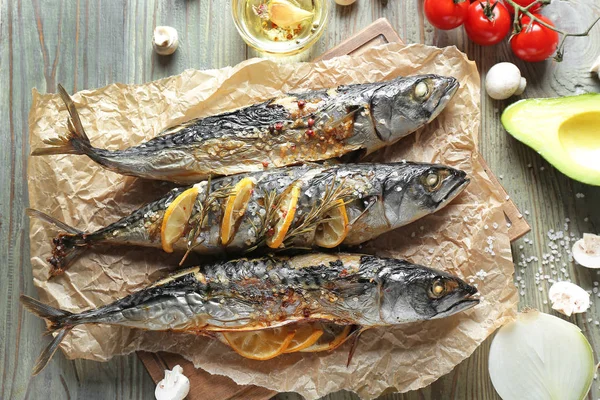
<point x="334" y="229"/>
<point x="286" y="213"/>
<point x="176" y="217"/>
<point x="235" y="208"/>
<point x="306" y="335"/>
<point x="333" y="336"/>
<point x="262" y="344"/>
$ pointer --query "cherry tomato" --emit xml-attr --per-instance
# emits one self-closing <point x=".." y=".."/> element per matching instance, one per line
<point x="523" y="3"/>
<point x="446" y="14"/>
<point x="535" y="42"/>
<point x="487" y="23"/>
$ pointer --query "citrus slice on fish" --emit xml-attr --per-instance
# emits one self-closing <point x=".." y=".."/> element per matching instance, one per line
<point x="235" y="208"/>
<point x="176" y="217"/>
<point x="334" y="228"/>
<point x="306" y="335"/>
<point x="285" y="216"/>
<point x="332" y="337"/>
<point x="262" y="344"/>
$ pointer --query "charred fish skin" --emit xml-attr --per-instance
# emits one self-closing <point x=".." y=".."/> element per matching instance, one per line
<point x="250" y="294"/>
<point x="378" y="198"/>
<point x="309" y="126"/>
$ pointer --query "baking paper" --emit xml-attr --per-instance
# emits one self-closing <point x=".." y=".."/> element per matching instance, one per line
<point x="466" y="237"/>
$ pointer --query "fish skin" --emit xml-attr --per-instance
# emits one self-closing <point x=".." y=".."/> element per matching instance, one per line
<point x="380" y="198"/>
<point x="309" y="126"/>
<point x="251" y="294"/>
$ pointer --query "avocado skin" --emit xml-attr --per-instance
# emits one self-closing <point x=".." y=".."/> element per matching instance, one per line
<point x="563" y="130"/>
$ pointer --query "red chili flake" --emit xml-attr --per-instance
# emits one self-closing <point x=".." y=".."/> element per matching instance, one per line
<point x="293" y="147"/>
<point x="344" y="272"/>
<point x="310" y="133"/>
<point x="271" y="232"/>
<point x="265" y="164"/>
<point x="271" y="129"/>
<point x="279" y="126"/>
<point x="301" y="103"/>
<point x="310" y="122"/>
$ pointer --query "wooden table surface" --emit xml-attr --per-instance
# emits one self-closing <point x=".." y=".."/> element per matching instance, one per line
<point x="89" y="44"/>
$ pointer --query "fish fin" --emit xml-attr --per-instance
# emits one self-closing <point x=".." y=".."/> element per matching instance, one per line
<point x="355" y="335"/>
<point x="66" y="247"/>
<point x="371" y="202"/>
<point x="57" y="320"/>
<point x="76" y="141"/>
<point x="51" y="220"/>
<point x="351" y="112"/>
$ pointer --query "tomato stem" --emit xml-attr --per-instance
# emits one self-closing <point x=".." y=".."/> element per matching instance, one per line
<point x="525" y="10"/>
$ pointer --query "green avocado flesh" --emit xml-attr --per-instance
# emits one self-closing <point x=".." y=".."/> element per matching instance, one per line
<point x="563" y="130"/>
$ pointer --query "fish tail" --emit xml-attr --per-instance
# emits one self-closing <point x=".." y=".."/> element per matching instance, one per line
<point x="67" y="246"/>
<point x="57" y="321"/>
<point x="76" y="141"/>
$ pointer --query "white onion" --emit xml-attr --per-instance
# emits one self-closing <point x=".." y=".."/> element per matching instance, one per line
<point x="541" y="357"/>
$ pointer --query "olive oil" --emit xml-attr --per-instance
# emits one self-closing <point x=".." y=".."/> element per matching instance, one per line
<point x="281" y="26"/>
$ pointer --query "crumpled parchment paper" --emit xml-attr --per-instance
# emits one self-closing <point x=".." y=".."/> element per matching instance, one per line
<point x="467" y="236"/>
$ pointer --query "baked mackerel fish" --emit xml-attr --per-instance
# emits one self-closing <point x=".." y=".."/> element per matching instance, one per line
<point x="297" y="207"/>
<point x="249" y="295"/>
<point x="309" y="126"/>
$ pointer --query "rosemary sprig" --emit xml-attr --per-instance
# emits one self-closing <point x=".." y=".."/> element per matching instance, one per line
<point x="198" y="221"/>
<point x="316" y="215"/>
<point x="272" y="203"/>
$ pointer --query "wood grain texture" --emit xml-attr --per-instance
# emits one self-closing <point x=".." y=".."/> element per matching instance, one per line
<point x="88" y="44"/>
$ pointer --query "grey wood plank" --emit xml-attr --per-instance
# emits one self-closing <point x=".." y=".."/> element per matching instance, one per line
<point x="87" y="44"/>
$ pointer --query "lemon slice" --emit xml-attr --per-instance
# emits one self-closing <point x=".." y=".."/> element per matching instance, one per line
<point x="262" y="344"/>
<point x="306" y="335"/>
<point x="333" y="230"/>
<point x="332" y="337"/>
<point x="286" y="213"/>
<point x="235" y="208"/>
<point x="176" y="217"/>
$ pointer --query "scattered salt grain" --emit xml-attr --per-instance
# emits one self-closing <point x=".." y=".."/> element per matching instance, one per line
<point x="579" y="195"/>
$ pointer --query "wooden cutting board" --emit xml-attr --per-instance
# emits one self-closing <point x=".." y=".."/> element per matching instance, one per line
<point x="204" y="386"/>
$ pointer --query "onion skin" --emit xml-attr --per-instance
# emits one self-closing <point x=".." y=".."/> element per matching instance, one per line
<point x="541" y="357"/>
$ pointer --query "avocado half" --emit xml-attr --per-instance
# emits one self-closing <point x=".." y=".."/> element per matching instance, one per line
<point x="563" y="130"/>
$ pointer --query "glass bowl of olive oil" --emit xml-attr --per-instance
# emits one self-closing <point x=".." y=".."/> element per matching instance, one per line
<point x="280" y="27"/>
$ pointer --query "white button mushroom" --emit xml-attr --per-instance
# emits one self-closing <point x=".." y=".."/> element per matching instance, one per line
<point x="165" y="40"/>
<point x="596" y="67"/>
<point x="568" y="298"/>
<point x="175" y="385"/>
<point x="345" y="2"/>
<point x="586" y="251"/>
<point x="504" y="80"/>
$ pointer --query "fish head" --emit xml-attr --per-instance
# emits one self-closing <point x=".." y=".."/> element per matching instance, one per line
<point x="403" y="105"/>
<point x="414" y="190"/>
<point x="414" y="293"/>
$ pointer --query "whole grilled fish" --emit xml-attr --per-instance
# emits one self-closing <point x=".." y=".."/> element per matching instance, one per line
<point x="252" y="294"/>
<point x="297" y="127"/>
<point x="376" y="198"/>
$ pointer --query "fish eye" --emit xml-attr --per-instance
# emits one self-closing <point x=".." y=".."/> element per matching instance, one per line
<point x="422" y="90"/>
<point x="437" y="289"/>
<point x="432" y="181"/>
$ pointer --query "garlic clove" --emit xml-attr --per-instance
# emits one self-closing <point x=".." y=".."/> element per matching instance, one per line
<point x="586" y="251"/>
<point x="165" y="40"/>
<point x="504" y="80"/>
<point x="568" y="298"/>
<point x="175" y="385"/>
<point x="285" y="14"/>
